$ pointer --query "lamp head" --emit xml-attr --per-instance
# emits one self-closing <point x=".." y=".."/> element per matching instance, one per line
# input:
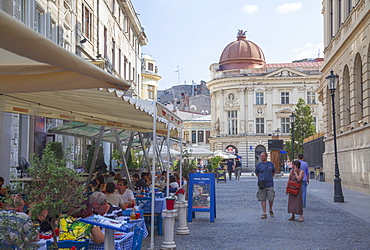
<point x="292" y="118"/>
<point x="332" y="80"/>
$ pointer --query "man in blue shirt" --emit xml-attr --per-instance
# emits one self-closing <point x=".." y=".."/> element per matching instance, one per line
<point x="306" y="179"/>
<point x="230" y="167"/>
<point x="265" y="171"/>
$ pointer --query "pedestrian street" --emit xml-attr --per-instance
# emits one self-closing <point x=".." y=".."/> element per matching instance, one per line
<point x="238" y="223"/>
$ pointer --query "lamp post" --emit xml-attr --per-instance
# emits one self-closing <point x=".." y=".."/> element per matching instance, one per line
<point x="338" y="194"/>
<point x="292" y="120"/>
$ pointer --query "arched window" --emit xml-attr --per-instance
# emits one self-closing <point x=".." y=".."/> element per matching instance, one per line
<point x="346" y="111"/>
<point x="359" y="89"/>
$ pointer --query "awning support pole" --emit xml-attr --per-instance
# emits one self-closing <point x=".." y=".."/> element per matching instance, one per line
<point x="95" y="156"/>
<point x="124" y="162"/>
<point x="153" y="175"/>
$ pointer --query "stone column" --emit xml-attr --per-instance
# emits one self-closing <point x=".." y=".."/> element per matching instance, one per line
<point x="183" y="224"/>
<point x="168" y="229"/>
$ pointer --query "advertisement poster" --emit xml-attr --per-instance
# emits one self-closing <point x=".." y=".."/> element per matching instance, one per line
<point x="202" y="192"/>
<point x="202" y="195"/>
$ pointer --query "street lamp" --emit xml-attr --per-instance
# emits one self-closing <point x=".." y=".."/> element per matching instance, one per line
<point x="292" y="120"/>
<point x="338" y="194"/>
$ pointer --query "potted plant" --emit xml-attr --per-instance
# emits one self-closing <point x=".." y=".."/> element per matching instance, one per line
<point x="180" y="193"/>
<point x="54" y="190"/>
<point x="170" y="202"/>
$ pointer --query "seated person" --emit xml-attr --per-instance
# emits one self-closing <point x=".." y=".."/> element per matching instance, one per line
<point x="147" y="178"/>
<point x="112" y="198"/>
<point x="3" y="190"/>
<point x="71" y="228"/>
<point x="16" y="226"/>
<point x="99" y="204"/>
<point x="139" y="183"/>
<point x="173" y="184"/>
<point x="126" y="194"/>
<point x="100" y="186"/>
<point x="110" y="177"/>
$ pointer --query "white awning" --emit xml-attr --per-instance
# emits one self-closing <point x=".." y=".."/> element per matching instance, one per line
<point x="31" y="62"/>
<point x="38" y="77"/>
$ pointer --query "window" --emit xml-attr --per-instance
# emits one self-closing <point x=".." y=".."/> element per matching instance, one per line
<point x="314" y="122"/>
<point x="193" y="136"/>
<point x="86" y="21"/>
<point x="311" y="97"/>
<point x="284" y="97"/>
<point x="53" y="31"/>
<point x="114" y="54"/>
<point x="150" y="66"/>
<point x="200" y="136"/>
<point x="260" y="125"/>
<point x="151" y="92"/>
<point x="285" y="125"/>
<point x="260" y="99"/>
<point x="186" y="136"/>
<point x="208" y="135"/>
<point x="232" y="122"/>
<point x="39" y="20"/>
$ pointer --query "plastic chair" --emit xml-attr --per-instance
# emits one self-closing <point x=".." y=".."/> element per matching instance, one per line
<point x="70" y="243"/>
<point x="146" y="205"/>
<point x="138" y="239"/>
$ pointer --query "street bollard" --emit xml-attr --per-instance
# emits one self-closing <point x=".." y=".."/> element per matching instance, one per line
<point x="183" y="224"/>
<point x="168" y="229"/>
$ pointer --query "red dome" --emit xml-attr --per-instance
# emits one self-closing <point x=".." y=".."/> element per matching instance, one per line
<point x="242" y="54"/>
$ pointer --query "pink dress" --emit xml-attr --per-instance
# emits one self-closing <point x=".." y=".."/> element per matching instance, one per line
<point x="295" y="205"/>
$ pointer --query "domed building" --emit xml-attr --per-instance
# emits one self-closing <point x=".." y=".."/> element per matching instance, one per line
<point x="251" y="100"/>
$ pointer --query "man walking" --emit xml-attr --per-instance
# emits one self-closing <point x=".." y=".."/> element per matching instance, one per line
<point x="306" y="179"/>
<point x="265" y="171"/>
<point x="230" y="167"/>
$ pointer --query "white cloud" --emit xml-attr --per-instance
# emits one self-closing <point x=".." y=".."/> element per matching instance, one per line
<point x="250" y="9"/>
<point x="309" y="50"/>
<point x="288" y="7"/>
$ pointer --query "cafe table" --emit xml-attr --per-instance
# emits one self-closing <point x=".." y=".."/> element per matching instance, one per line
<point x="109" y="225"/>
<point x="124" y="242"/>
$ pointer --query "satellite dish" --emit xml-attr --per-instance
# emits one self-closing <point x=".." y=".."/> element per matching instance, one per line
<point x="193" y="108"/>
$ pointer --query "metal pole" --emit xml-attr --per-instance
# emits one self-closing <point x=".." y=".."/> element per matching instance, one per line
<point x="292" y="141"/>
<point x="153" y="176"/>
<point x="338" y="194"/>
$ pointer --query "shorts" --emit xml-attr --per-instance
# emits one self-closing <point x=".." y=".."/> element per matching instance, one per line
<point x="266" y="193"/>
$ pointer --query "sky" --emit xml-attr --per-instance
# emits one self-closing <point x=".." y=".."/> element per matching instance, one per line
<point x="186" y="36"/>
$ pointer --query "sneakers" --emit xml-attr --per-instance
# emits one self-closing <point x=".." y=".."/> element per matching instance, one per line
<point x="264" y="216"/>
<point x="272" y="213"/>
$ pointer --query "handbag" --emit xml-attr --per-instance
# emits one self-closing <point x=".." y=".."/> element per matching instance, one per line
<point x="261" y="184"/>
<point x="292" y="188"/>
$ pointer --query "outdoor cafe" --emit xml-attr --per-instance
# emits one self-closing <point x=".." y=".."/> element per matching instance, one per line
<point x="42" y="79"/>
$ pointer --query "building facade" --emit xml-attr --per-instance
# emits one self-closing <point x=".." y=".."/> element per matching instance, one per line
<point x="150" y="78"/>
<point x="107" y="33"/>
<point x="347" y="53"/>
<point x="252" y="101"/>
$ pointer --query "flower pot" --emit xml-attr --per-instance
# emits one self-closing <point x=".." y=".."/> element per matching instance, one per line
<point x="181" y="197"/>
<point x="170" y="204"/>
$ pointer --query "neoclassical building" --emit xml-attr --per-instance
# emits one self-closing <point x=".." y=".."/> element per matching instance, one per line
<point x="252" y="100"/>
<point x="347" y="53"/>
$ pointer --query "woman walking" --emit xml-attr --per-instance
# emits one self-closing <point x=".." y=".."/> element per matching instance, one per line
<point x="295" y="205"/>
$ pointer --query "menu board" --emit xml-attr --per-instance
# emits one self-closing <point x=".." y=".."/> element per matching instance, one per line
<point x="202" y="195"/>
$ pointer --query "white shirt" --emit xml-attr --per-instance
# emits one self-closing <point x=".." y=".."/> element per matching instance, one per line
<point x="127" y="195"/>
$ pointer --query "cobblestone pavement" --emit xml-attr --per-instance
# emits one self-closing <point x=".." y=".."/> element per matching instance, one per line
<point x="239" y="225"/>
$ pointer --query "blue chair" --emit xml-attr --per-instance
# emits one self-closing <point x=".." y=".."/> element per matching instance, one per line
<point x="70" y="243"/>
<point x="138" y="239"/>
<point x="146" y="205"/>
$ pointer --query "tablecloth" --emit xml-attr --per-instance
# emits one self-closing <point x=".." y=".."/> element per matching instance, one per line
<point x="124" y="243"/>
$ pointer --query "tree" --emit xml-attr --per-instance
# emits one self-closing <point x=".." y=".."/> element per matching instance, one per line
<point x="54" y="188"/>
<point x="303" y="128"/>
